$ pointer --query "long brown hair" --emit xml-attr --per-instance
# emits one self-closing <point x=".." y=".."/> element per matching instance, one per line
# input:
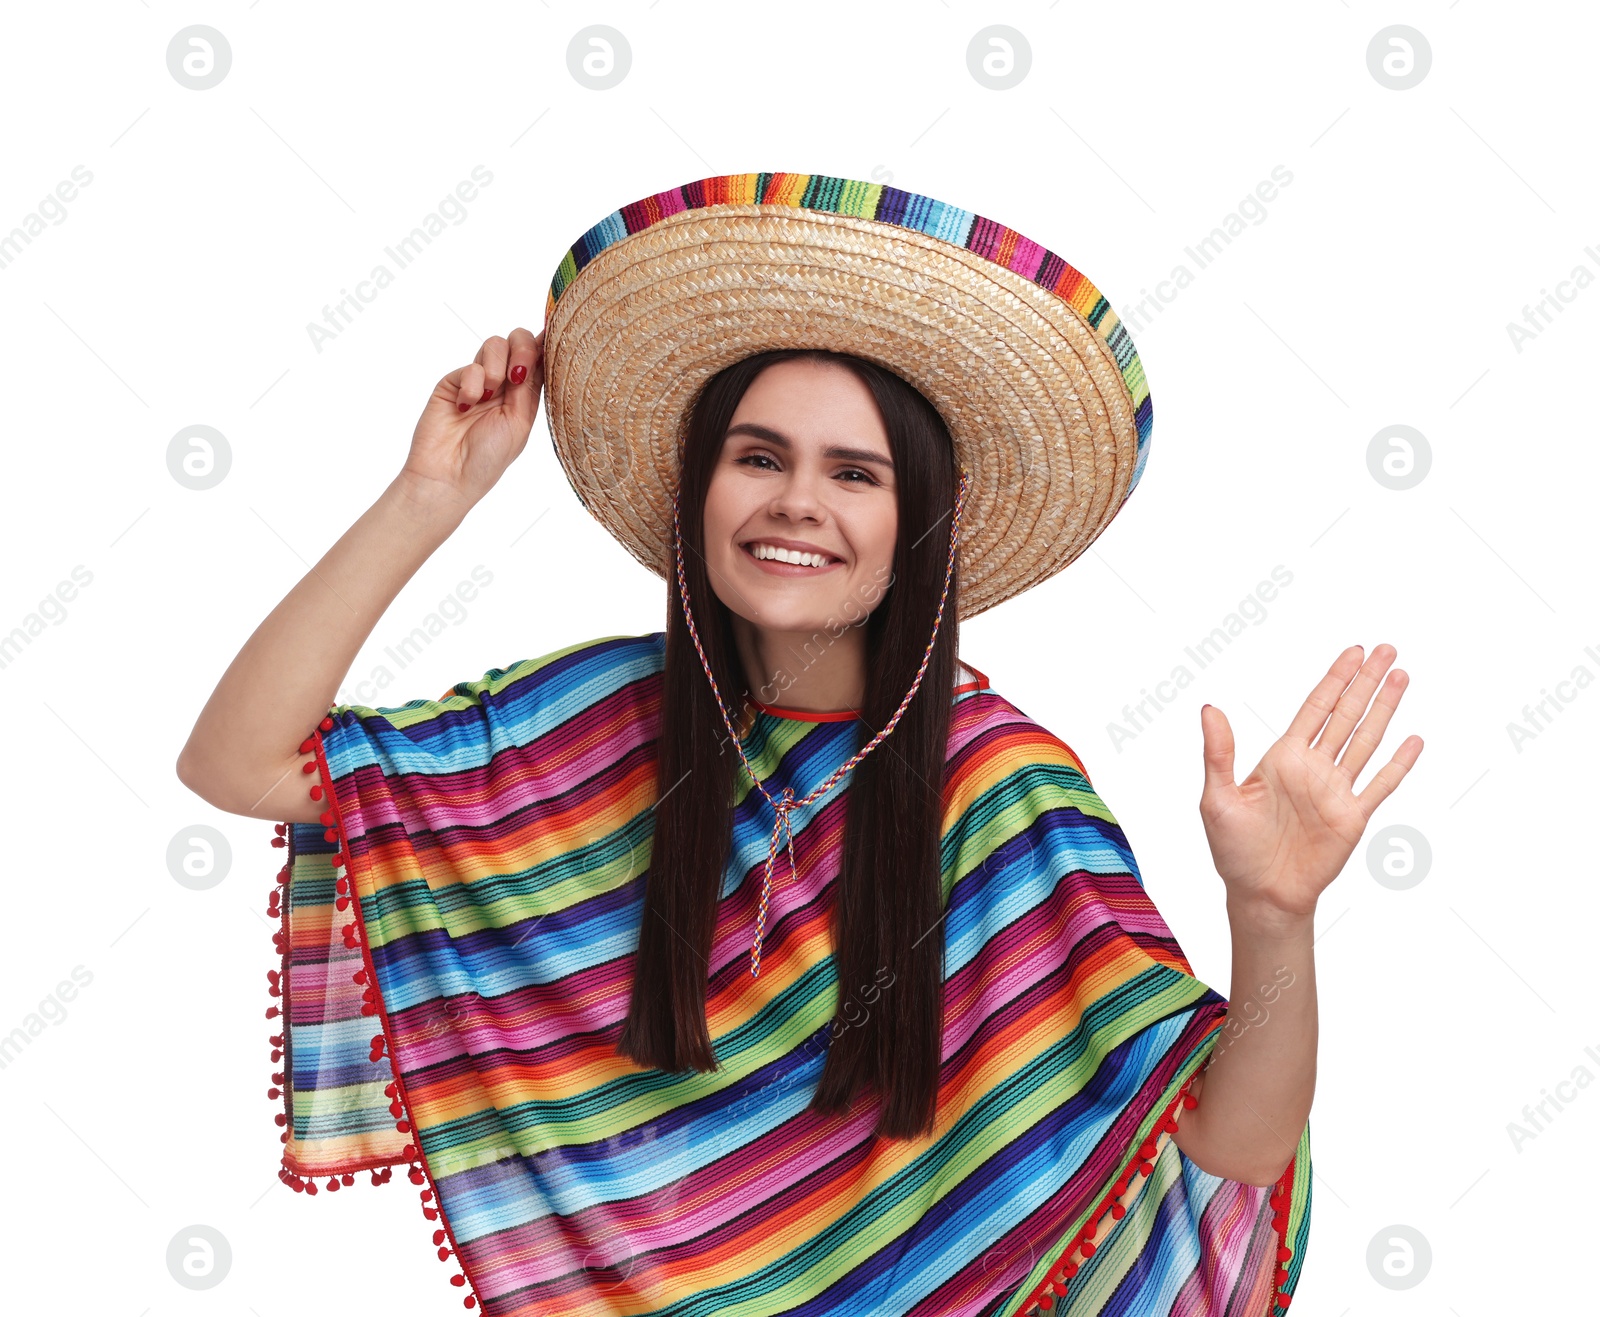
<point x="888" y="900"/>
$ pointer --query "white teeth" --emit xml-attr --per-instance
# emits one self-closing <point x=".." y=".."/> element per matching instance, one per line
<point x="790" y="555"/>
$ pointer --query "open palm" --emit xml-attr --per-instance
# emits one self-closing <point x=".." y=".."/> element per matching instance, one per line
<point x="1283" y="834"/>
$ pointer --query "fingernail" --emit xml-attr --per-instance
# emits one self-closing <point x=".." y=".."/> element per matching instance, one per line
<point x="518" y="374"/>
<point x="487" y="394"/>
<point x="463" y="406"/>
<point x="1205" y="706"/>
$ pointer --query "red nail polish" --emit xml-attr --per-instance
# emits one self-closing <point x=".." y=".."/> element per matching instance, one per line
<point x="463" y="406"/>
<point x="518" y="374"/>
<point x="487" y="394"/>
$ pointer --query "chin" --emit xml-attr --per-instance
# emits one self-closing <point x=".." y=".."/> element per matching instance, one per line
<point x="829" y="621"/>
<point x="803" y="611"/>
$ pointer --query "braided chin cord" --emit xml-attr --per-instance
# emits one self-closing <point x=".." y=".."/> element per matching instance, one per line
<point x="787" y="802"/>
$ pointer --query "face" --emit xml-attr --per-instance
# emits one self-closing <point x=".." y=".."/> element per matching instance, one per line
<point x="805" y="470"/>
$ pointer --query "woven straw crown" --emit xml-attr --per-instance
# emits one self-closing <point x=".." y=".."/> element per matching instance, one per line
<point x="1033" y="372"/>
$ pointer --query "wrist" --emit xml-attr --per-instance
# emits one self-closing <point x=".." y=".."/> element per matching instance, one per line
<point x="1262" y="920"/>
<point x="428" y="501"/>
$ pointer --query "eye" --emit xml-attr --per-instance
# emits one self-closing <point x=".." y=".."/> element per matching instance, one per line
<point x="857" y="471"/>
<point x="750" y="458"/>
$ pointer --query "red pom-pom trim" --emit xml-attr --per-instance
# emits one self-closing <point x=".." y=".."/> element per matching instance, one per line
<point x="1054" y="1285"/>
<point x="354" y="937"/>
<point x="278" y="986"/>
<point x="1282" y="1197"/>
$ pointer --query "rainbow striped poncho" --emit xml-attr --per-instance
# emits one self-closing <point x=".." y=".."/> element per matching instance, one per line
<point x="457" y="949"/>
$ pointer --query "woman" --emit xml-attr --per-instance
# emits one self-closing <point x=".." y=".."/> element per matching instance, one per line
<point x="947" y="1074"/>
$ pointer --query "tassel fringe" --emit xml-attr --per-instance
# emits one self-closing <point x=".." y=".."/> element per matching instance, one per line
<point x="354" y="936"/>
<point x="1042" y="1301"/>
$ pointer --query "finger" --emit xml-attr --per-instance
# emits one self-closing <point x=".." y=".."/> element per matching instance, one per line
<point x="537" y="376"/>
<point x="469" y="389"/>
<point x="1319" y="704"/>
<point x="1218" y="751"/>
<point x="1390" y="775"/>
<point x="493" y="355"/>
<point x="1349" y="707"/>
<point x="1373" y="726"/>
<point x="536" y="373"/>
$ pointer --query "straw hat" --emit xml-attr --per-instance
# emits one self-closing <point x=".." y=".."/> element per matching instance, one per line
<point x="1029" y="366"/>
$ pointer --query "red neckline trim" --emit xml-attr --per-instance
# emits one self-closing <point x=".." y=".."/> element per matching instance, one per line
<point x="979" y="682"/>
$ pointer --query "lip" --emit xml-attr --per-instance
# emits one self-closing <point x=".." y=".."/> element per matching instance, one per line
<point x="775" y="568"/>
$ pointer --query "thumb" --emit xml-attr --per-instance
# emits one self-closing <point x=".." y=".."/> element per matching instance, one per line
<point x="1218" y="749"/>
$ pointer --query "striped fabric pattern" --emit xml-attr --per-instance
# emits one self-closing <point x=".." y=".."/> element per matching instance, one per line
<point x="478" y="891"/>
<point x="890" y="205"/>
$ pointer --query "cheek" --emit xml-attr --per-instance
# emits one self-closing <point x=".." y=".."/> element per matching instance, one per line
<point x="881" y="539"/>
<point x="720" y="517"/>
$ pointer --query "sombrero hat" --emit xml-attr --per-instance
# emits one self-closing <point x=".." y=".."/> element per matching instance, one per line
<point x="1034" y="373"/>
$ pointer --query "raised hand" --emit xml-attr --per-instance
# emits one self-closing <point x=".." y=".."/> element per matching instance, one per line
<point x="1281" y="836"/>
<point x="478" y="418"/>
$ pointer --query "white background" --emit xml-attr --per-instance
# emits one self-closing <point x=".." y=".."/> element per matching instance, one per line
<point x="1376" y="289"/>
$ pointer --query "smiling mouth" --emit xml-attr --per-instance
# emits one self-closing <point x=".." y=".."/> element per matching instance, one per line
<point x="788" y="562"/>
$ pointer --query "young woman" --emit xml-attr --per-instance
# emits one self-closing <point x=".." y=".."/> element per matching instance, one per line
<point x="776" y="961"/>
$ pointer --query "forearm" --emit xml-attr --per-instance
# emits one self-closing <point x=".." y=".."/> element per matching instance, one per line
<point x="1262" y="1074"/>
<point x="285" y="676"/>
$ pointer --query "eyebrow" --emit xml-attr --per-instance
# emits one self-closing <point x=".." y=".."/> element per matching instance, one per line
<point x="771" y="436"/>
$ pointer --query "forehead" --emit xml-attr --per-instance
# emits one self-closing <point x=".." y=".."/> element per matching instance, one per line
<point x="810" y="403"/>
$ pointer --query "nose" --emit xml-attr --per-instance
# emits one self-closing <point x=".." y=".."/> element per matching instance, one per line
<point x="798" y="496"/>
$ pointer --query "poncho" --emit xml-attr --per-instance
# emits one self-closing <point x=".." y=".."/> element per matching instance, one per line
<point x="457" y="942"/>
